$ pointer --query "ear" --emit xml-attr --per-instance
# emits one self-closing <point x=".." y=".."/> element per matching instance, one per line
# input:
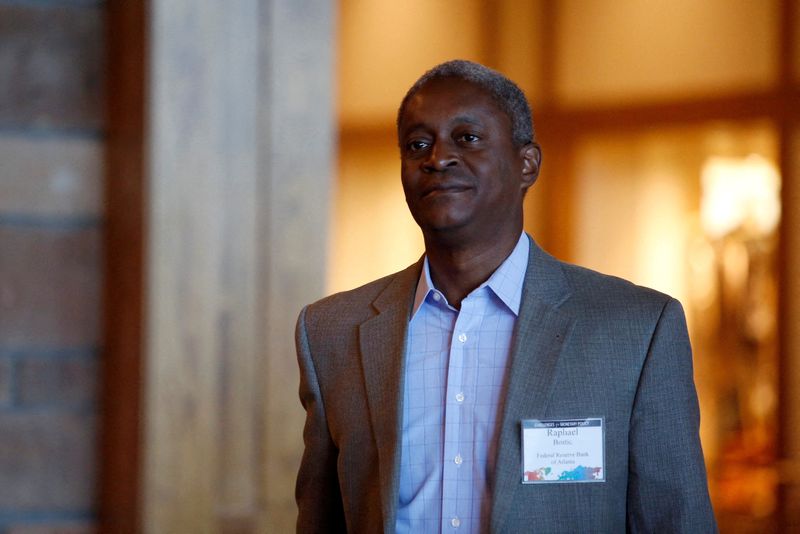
<point x="531" y="155"/>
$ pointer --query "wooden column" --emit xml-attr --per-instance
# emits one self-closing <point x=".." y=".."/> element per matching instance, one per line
<point x="790" y="335"/>
<point x="121" y="378"/>
<point x="240" y="163"/>
<point x="789" y="312"/>
<point x="237" y="150"/>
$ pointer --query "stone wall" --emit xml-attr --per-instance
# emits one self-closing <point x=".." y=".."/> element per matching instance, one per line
<point x="51" y="226"/>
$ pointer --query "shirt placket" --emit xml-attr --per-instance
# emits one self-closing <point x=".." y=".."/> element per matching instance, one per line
<point x="457" y="454"/>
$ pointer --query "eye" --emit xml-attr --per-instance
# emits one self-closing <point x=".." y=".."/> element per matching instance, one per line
<point x="416" y="145"/>
<point x="469" y="138"/>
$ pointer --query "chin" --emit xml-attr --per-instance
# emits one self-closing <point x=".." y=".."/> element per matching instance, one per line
<point x="451" y="230"/>
<point x="440" y="222"/>
<point x="439" y="219"/>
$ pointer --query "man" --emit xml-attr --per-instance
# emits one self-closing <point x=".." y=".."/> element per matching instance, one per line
<point x="490" y="387"/>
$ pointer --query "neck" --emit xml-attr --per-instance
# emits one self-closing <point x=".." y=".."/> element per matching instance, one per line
<point x="457" y="269"/>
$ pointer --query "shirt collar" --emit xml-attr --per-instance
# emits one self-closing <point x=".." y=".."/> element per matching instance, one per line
<point x="505" y="282"/>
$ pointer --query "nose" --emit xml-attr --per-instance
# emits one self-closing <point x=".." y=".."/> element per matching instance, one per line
<point x="440" y="158"/>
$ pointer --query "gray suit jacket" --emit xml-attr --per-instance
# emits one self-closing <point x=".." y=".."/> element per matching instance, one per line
<point x="585" y="345"/>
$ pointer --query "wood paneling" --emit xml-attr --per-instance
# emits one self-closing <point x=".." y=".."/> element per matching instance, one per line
<point x="516" y="44"/>
<point x="386" y="45"/>
<point x="628" y="51"/>
<point x="792" y="8"/>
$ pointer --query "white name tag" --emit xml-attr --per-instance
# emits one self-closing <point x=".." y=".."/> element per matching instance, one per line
<point x="564" y="450"/>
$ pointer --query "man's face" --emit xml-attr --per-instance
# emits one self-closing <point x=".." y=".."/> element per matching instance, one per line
<point x="461" y="173"/>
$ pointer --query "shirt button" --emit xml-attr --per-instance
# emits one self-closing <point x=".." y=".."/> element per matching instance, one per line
<point x="459" y="398"/>
<point x="437" y="297"/>
<point x="462" y="338"/>
<point x="458" y="459"/>
<point x="456" y="522"/>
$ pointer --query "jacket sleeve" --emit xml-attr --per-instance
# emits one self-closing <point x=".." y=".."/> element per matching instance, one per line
<point x="317" y="492"/>
<point x="667" y="486"/>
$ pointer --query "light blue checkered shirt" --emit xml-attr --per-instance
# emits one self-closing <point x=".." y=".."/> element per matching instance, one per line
<point x="456" y="373"/>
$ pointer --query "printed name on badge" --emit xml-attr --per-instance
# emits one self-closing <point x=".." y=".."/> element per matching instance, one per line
<point x="563" y="450"/>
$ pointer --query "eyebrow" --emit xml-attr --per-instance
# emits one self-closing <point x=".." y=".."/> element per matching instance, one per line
<point x="468" y="119"/>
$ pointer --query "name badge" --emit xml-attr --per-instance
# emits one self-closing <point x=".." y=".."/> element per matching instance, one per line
<point x="564" y="450"/>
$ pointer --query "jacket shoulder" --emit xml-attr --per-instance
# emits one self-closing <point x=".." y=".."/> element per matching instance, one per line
<point x="355" y="305"/>
<point x="592" y="290"/>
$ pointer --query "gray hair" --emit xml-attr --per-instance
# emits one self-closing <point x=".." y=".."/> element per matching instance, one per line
<point x="505" y="93"/>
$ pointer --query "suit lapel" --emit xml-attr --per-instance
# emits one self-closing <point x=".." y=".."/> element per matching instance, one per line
<point x="382" y="340"/>
<point x="539" y="336"/>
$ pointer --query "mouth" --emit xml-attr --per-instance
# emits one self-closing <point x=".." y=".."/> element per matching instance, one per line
<point x="444" y="189"/>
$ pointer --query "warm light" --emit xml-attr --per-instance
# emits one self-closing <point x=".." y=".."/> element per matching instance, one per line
<point x="740" y="194"/>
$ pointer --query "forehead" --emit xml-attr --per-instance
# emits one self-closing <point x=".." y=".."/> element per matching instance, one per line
<point x="451" y="99"/>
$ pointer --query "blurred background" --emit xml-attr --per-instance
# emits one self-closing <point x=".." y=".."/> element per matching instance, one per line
<point x="179" y="177"/>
